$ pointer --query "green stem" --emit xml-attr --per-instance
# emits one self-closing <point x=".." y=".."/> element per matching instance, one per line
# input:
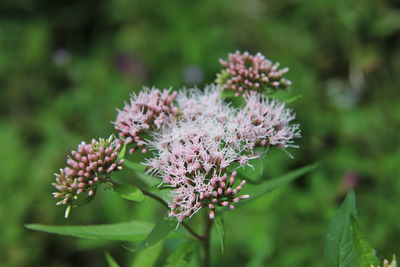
<point x="165" y="204"/>
<point x="207" y="240"/>
<point x="159" y="199"/>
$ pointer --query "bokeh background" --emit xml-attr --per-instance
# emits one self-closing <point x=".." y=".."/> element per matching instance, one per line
<point x="66" y="65"/>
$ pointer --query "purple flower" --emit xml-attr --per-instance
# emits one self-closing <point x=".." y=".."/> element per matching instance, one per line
<point x="86" y="167"/>
<point x="147" y="111"/>
<point x="249" y="73"/>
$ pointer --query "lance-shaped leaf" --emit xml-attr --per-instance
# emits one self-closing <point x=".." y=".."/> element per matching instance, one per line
<point x="110" y="260"/>
<point x="129" y="192"/>
<point x="130" y="231"/>
<point x="256" y="191"/>
<point x="366" y="254"/>
<point x="148" y="257"/>
<point x="254" y="174"/>
<point x="121" y="154"/>
<point x="339" y="249"/>
<point x="139" y="171"/>
<point x="182" y="256"/>
<point x="160" y="230"/>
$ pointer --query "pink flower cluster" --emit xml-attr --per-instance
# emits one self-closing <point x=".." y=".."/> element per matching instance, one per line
<point x="266" y="122"/>
<point x="193" y="153"/>
<point x="145" y="113"/>
<point x="193" y="103"/>
<point x="248" y="73"/>
<point x="194" y="136"/>
<point x="86" y="168"/>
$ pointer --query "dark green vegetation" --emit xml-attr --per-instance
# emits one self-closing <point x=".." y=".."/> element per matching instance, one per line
<point x="65" y="66"/>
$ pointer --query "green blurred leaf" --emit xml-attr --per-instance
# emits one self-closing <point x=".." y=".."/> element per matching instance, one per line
<point x="293" y="99"/>
<point x="160" y="230"/>
<point x="365" y="253"/>
<point x="182" y="256"/>
<point x="387" y="24"/>
<point x="111" y="262"/>
<point x="139" y="171"/>
<point x="254" y="174"/>
<point x="85" y="201"/>
<point x="129" y="192"/>
<point x="134" y="166"/>
<point x="256" y="191"/>
<point x="130" y="231"/>
<point x="227" y="94"/>
<point x="148" y="257"/>
<point x="220" y="226"/>
<point x="339" y="249"/>
<point x="122" y="153"/>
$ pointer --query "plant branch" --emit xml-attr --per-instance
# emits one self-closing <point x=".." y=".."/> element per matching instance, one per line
<point x="206" y="241"/>
<point x="159" y="199"/>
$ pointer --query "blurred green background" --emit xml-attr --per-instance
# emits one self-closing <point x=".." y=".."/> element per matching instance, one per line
<point x="66" y="65"/>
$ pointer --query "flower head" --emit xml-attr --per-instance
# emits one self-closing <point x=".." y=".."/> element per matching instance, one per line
<point x="246" y="72"/>
<point x="86" y="168"/>
<point x="193" y="103"/>
<point x="149" y="110"/>
<point x="193" y="154"/>
<point x="266" y="122"/>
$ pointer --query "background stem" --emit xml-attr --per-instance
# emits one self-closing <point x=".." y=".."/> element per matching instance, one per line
<point x="206" y="241"/>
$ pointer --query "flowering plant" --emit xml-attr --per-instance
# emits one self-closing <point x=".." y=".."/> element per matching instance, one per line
<point x="196" y="144"/>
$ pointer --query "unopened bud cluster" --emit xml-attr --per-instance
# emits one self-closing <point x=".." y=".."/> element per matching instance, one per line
<point x="86" y="168"/>
<point x="223" y="193"/>
<point x="248" y="73"/>
<point x="146" y="112"/>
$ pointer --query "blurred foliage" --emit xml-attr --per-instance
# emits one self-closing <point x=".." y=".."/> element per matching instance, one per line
<point x="66" y="65"/>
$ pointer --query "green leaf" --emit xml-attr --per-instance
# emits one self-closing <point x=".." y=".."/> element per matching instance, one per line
<point x="254" y="174"/>
<point x="122" y="153"/>
<point x="256" y="191"/>
<point x="148" y="257"/>
<point x="219" y="223"/>
<point x="130" y="231"/>
<point x="111" y="262"/>
<point x="139" y="171"/>
<point x="86" y="200"/>
<point x="339" y="249"/>
<point x="182" y="256"/>
<point x="293" y="99"/>
<point x="161" y="229"/>
<point x="227" y="94"/>
<point x="134" y="166"/>
<point x="365" y="253"/>
<point x="129" y="192"/>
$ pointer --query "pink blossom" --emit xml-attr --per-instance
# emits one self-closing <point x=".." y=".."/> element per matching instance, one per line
<point x="266" y="122"/>
<point x="190" y="153"/>
<point x="193" y="103"/>
<point x="147" y="111"/>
